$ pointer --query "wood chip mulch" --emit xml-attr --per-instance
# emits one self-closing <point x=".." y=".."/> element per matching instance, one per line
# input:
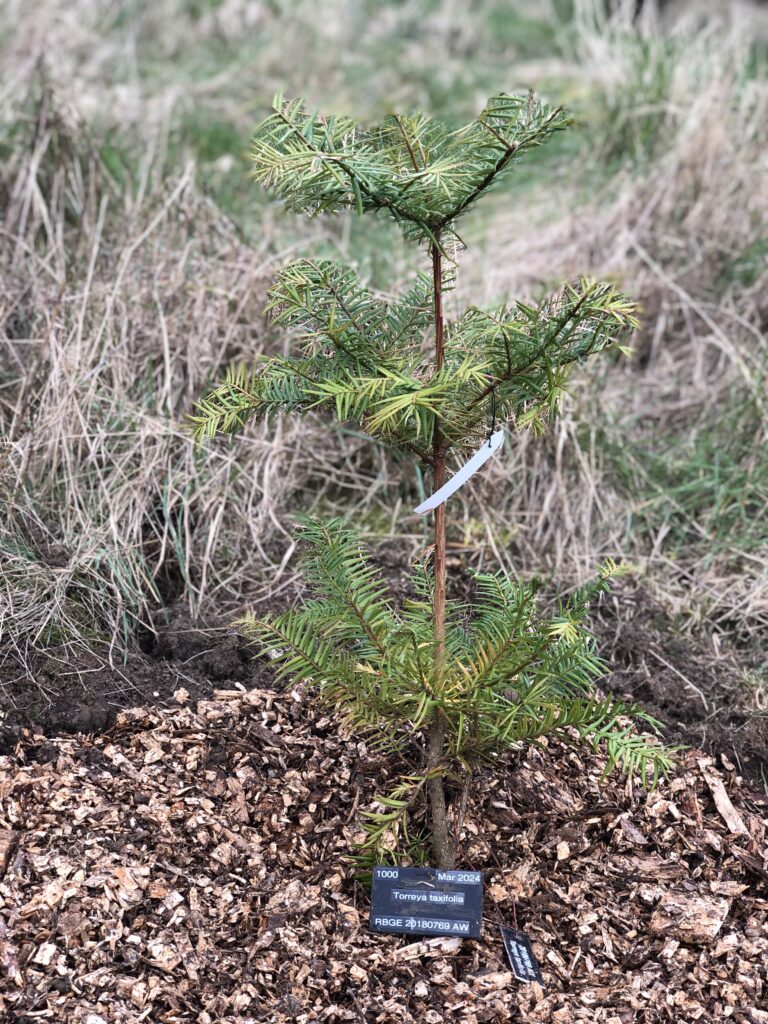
<point x="189" y="866"/>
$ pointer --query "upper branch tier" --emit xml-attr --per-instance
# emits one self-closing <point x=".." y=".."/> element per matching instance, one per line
<point x="411" y="167"/>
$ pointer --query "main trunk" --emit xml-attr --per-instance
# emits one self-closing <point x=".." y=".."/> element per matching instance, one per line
<point x="443" y="845"/>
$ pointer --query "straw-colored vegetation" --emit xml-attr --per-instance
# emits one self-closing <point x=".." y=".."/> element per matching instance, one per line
<point x="135" y="256"/>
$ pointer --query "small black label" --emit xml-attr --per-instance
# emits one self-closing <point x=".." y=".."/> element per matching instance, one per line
<point x="520" y="955"/>
<point x="425" y="901"/>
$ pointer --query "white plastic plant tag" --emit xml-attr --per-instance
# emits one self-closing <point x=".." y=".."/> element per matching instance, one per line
<point x="481" y="456"/>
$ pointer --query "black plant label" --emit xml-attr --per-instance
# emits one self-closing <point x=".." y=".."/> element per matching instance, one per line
<point x="520" y="955"/>
<point x="426" y="901"/>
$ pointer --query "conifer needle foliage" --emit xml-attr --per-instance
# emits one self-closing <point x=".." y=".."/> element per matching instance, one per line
<point x="512" y="674"/>
<point x="454" y="685"/>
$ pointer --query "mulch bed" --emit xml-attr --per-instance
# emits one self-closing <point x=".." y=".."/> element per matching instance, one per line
<point x="189" y="865"/>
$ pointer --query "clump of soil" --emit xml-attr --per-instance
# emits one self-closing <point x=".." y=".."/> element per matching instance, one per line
<point x="700" y="696"/>
<point x="80" y="691"/>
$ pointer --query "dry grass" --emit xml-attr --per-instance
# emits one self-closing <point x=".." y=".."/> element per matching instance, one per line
<point x="115" y="321"/>
<point x="125" y="290"/>
<point x="679" y="222"/>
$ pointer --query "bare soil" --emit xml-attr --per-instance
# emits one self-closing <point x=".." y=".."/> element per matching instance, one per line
<point x="701" y="697"/>
<point x="81" y="692"/>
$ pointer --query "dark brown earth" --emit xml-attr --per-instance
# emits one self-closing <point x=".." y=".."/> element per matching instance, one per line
<point x="701" y="698"/>
<point x="81" y="692"/>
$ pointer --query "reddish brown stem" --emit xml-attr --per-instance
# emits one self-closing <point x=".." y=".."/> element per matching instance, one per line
<point x="443" y="845"/>
<point x="438" y="459"/>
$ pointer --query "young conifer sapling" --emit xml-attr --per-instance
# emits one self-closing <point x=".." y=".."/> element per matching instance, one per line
<point x="452" y="685"/>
